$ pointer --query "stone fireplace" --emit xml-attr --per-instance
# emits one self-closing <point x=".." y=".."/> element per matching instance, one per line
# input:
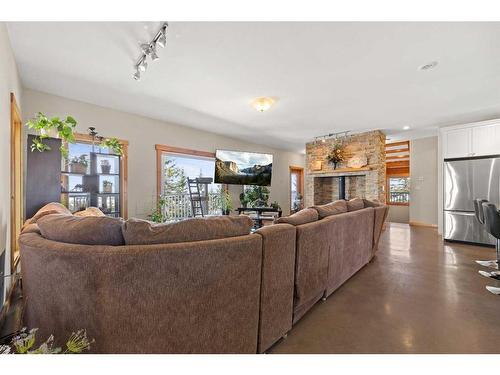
<point x="322" y="180"/>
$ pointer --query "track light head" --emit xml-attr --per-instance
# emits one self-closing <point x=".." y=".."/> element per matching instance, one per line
<point x="162" y="38"/>
<point x="137" y="75"/>
<point x="152" y="53"/>
<point x="143" y="65"/>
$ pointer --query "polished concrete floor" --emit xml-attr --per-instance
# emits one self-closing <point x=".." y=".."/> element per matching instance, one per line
<point x="418" y="295"/>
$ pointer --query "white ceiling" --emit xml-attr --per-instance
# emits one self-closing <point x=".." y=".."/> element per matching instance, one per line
<point x="327" y="77"/>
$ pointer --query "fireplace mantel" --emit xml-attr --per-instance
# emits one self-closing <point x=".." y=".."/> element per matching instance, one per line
<point x="342" y="172"/>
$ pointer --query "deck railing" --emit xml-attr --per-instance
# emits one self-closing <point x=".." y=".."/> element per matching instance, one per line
<point x="178" y="206"/>
<point x="399" y="197"/>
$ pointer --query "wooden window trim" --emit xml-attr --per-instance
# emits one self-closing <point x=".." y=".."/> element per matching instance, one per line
<point x="16" y="180"/>
<point x="86" y="138"/>
<point x="300" y="170"/>
<point x="160" y="149"/>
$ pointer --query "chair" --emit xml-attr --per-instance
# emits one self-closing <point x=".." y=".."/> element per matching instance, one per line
<point x="479" y="212"/>
<point x="492" y="225"/>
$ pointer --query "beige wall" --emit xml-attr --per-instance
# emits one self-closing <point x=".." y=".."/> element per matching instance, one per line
<point x="143" y="133"/>
<point x="399" y="214"/>
<point x="9" y="82"/>
<point x="424" y="177"/>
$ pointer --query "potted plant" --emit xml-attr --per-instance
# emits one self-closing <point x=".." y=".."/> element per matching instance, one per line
<point x="336" y="154"/>
<point x="45" y="127"/>
<point x="107" y="186"/>
<point x="243" y="200"/>
<point x="276" y="206"/>
<point x="114" y="145"/>
<point x="79" y="164"/>
<point x="226" y="202"/>
<point x="105" y="166"/>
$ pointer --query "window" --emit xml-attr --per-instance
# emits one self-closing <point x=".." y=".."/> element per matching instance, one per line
<point x="175" y="166"/>
<point x="94" y="176"/>
<point x="296" y="188"/>
<point x="398" y="190"/>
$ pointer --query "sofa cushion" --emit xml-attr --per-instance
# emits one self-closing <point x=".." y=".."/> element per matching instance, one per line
<point x="30" y="228"/>
<point x="355" y="204"/>
<point x="304" y="216"/>
<point x="333" y="208"/>
<point x="143" y="232"/>
<point x="48" y="209"/>
<point x="90" y="230"/>
<point x="373" y="203"/>
<point x="90" y="211"/>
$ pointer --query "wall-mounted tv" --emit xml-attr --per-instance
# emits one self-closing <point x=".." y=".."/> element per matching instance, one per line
<point x="243" y="168"/>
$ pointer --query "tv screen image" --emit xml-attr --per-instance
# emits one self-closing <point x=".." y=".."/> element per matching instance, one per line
<point x="243" y="168"/>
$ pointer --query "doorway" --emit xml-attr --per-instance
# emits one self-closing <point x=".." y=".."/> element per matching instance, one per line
<point x="296" y="189"/>
<point x="16" y="180"/>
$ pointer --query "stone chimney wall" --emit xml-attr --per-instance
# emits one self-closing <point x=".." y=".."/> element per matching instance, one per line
<point x="321" y="179"/>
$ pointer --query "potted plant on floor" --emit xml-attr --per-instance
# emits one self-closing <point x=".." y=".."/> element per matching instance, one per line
<point x="226" y="202"/>
<point x="79" y="164"/>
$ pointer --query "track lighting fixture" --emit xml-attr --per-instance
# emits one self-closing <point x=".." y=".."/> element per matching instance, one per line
<point x="323" y="138"/>
<point x="149" y="49"/>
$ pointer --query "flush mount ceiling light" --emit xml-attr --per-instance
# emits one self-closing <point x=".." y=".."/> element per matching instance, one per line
<point x="149" y="49"/>
<point x="428" y="66"/>
<point x="263" y="103"/>
<point x="406" y="127"/>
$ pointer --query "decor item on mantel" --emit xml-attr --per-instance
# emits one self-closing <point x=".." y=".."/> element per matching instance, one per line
<point x="358" y="160"/>
<point x="336" y="154"/>
<point x="316" y="165"/>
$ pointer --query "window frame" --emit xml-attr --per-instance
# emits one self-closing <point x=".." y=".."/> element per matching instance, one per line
<point x="160" y="149"/>
<point x="388" y="192"/>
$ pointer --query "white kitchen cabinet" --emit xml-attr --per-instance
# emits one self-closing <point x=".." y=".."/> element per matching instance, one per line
<point x="457" y="143"/>
<point x="486" y="140"/>
<point x="478" y="139"/>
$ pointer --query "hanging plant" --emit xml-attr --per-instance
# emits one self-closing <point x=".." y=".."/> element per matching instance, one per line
<point x="113" y="144"/>
<point x="42" y="125"/>
<point x="336" y="154"/>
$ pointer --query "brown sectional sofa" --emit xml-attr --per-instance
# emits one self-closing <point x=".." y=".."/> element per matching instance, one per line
<point x="225" y="292"/>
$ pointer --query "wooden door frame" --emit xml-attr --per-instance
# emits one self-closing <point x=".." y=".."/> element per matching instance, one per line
<point x="300" y="170"/>
<point x="16" y="180"/>
<point x="87" y="138"/>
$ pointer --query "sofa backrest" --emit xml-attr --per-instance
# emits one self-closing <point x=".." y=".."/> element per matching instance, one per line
<point x="142" y="232"/>
<point x="191" y="297"/>
<point x="351" y="244"/>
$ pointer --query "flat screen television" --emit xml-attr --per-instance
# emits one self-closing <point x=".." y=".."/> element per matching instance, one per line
<point x="243" y="168"/>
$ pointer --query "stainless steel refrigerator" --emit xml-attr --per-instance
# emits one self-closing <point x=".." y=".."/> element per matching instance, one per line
<point x="466" y="179"/>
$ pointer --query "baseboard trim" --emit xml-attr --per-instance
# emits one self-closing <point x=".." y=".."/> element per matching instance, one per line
<point x="421" y="224"/>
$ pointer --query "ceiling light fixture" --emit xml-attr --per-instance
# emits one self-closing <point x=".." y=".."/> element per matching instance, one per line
<point x="149" y="49"/>
<point x="406" y="127"/>
<point x="263" y="103"/>
<point x="428" y="66"/>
